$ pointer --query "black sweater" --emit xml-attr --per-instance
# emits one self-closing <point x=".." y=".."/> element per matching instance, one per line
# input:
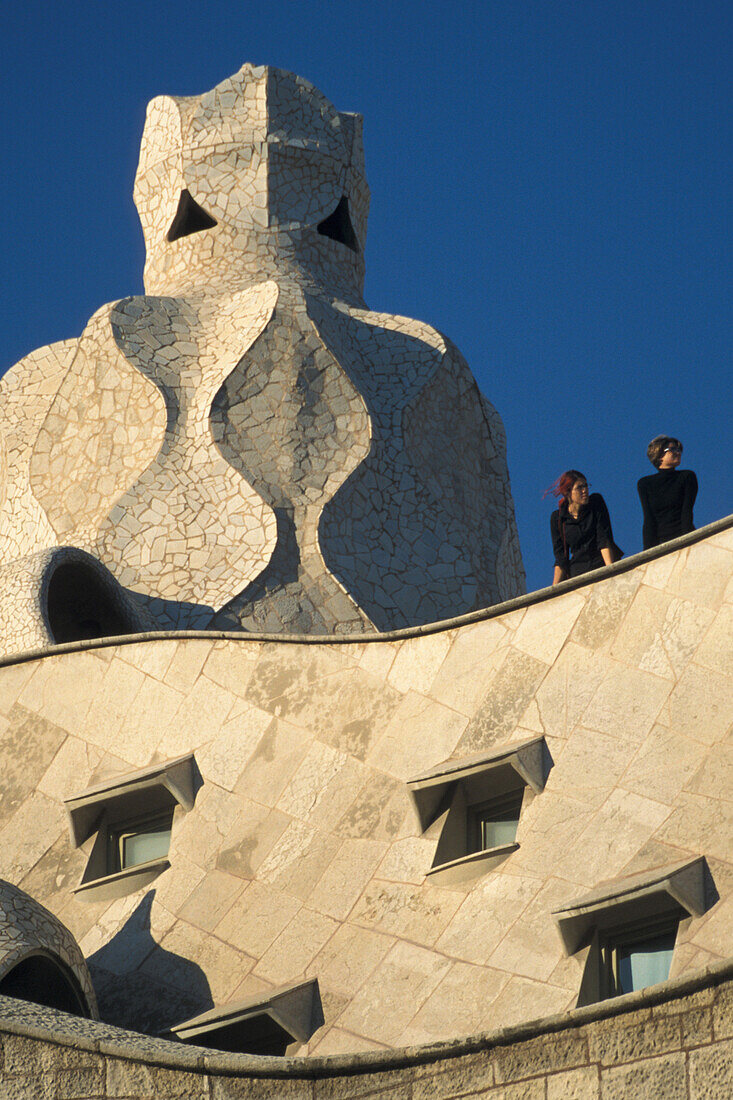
<point x="585" y="536"/>
<point x="667" y="498"/>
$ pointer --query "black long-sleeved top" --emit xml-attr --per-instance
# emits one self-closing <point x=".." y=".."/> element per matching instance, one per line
<point x="585" y="536"/>
<point x="667" y="498"/>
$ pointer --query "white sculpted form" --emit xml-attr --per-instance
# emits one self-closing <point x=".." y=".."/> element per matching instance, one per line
<point x="247" y="446"/>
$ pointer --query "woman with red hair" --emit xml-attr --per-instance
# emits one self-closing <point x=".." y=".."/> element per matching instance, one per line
<point x="581" y="528"/>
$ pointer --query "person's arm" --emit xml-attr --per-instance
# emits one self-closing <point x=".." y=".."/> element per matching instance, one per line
<point x="604" y="534"/>
<point x="649" y="529"/>
<point x="561" y="561"/>
<point x="688" y="500"/>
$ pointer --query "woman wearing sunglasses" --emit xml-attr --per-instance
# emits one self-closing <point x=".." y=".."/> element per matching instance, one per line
<point x="666" y="497"/>
<point x="582" y="538"/>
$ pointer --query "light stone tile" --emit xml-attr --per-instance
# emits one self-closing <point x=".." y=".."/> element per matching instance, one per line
<point x="211" y="900"/>
<point x="274" y="762"/>
<point x="508" y="696"/>
<point x="28" y="834"/>
<point x="716" y="649"/>
<point x="109" y="707"/>
<point x="174" y="888"/>
<point x="546" y="626"/>
<point x="381" y="810"/>
<point x="530" y="946"/>
<point x="198" y="719"/>
<point x="551" y="825"/>
<point x="186" y="663"/>
<point x="657" y="573"/>
<point x="223" y="966"/>
<point x="377" y="658"/>
<point x="606" y="606"/>
<point x="524" y="999"/>
<point x="568" y="689"/>
<point x="664" y="764"/>
<point x="346" y="876"/>
<point x="701" y="705"/>
<point x="338" y="1041"/>
<point x="476" y="653"/>
<point x="114" y="916"/>
<point x="700" y="825"/>
<point x="13" y="679"/>
<point x="588" y="766"/>
<point x="531" y="719"/>
<point x="483" y="917"/>
<point x="407" y="977"/>
<point x="661" y="632"/>
<point x="224" y="758"/>
<point x="151" y="657"/>
<point x="53" y="689"/>
<point x="407" y="860"/>
<point x="627" y="703"/>
<point x="399" y="909"/>
<point x="295" y="948"/>
<point x="462" y="998"/>
<point x="715" y="775"/>
<point x="306" y="789"/>
<point x="705" y="574"/>
<point x="712" y="935"/>
<point x="153" y="708"/>
<point x="70" y="770"/>
<point x="252" y="838"/>
<point x="418" y="720"/>
<point x="349" y="957"/>
<point x="231" y="665"/>
<point x="257" y="919"/>
<point x="418" y="660"/>
<point x="615" y="832"/>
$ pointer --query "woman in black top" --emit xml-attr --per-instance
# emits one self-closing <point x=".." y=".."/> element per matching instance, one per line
<point x="581" y="529"/>
<point x="668" y="496"/>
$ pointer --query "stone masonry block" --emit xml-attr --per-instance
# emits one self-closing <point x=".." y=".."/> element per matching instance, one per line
<point x="544" y="1054"/>
<point x="473" y="1073"/>
<point x="578" y="1084"/>
<point x="723" y="1013"/>
<point x="613" y="1044"/>
<point x="711" y="1072"/>
<point x="664" y="1077"/>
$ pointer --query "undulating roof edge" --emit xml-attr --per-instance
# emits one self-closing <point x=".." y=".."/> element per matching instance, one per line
<point x="625" y="565"/>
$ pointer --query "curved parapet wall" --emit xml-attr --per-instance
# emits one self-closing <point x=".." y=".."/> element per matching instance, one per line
<point x="673" y="1040"/>
<point x="304" y="855"/>
<point x="247" y="446"/>
<point x="39" y="958"/>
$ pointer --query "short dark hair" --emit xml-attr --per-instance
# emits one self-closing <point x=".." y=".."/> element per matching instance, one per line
<point x="658" y="446"/>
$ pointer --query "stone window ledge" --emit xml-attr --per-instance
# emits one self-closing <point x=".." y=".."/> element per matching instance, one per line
<point x="263" y="1024"/>
<point x="470" y="866"/>
<point x="118" y="885"/>
<point x="676" y="886"/>
<point x="138" y="788"/>
<point x="526" y="758"/>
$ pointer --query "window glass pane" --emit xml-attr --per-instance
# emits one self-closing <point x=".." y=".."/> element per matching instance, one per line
<point x="140" y="847"/>
<point x="645" y="962"/>
<point x="498" y="829"/>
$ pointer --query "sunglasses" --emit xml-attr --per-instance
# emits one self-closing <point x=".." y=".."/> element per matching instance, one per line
<point x="673" y="450"/>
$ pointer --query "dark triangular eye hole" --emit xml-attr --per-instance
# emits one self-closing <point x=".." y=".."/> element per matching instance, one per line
<point x="190" y="218"/>
<point x="338" y="226"/>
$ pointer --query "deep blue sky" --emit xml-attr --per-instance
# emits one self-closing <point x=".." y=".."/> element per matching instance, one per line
<point x="550" y="187"/>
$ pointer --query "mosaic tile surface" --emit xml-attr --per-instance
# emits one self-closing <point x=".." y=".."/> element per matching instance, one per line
<point x="26" y="929"/>
<point x="246" y="445"/>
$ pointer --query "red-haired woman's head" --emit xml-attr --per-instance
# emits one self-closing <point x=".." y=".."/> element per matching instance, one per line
<point x="563" y="487"/>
